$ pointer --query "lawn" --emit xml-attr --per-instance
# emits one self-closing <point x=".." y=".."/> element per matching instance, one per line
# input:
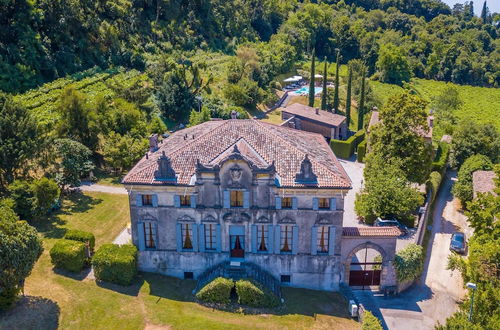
<point x="59" y="300"/>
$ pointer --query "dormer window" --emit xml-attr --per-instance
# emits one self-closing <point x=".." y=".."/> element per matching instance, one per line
<point x="185" y="200"/>
<point x="236" y="198"/>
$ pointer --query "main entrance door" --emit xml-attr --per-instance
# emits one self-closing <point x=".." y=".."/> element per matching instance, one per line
<point x="364" y="277"/>
<point x="237" y="241"/>
<point x="365" y="268"/>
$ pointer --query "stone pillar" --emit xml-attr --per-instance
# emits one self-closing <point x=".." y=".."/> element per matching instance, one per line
<point x="388" y="275"/>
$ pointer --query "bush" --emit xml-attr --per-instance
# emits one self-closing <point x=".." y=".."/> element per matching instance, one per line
<point x="345" y="149"/>
<point x="253" y="295"/>
<point x="409" y="262"/>
<point x="218" y="291"/>
<point x="82" y="236"/>
<point x="434" y="183"/>
<point x="69" y="255"/>
<point x="463" y="189"/>
<point x="370" y="322"/>
<point x="441" y="158"/>
<point x="361" y="151"/>
<point x="115" y="263"/>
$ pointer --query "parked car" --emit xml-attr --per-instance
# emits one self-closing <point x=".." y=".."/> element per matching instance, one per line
<point x="458" y="243"/>
<point x="391" y="222"/>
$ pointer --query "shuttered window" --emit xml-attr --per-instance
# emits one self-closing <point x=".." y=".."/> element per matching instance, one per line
<point x="187" y="236"/>
<point x="262" y="238"/>
<point x="324" y="203"/>
<point x="323" y="237"/>
<point x="150" y="235"/>
<point x="210" y="243"/>
<point x="286" y="203"/>
<point x="147" y="200"/>
<point x="236" y="198"/>
<point x="185" y="200"/>
<point x="286" y="238"/>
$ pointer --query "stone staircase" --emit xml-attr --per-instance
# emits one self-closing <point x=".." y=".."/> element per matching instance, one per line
<point x="238" y="271"/>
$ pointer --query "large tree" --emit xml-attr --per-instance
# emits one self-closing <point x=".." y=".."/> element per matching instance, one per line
<point x="20" y="248"/>
<point x="399" y="135"/>
<point x="463" y="189"/>
<point x="473" y="138"/>
<point x="386" y="191"/>
<point x="19" y="139"/>
<point x="393" y="65"/>
<point x="73" y="160"/>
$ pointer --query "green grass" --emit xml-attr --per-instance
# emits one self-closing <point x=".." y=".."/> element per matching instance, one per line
<point x="65" y="301"/>
<point x="481" y="104"/>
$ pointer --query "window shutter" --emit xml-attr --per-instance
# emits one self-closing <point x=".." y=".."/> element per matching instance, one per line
<point x="270" y="238"/>
<point x="201" y="234"/>
<point x="295" y="239"/>
<point x="218" y="238"/>
<point x="193" y="201"/>
<point x="295" y="203"/>
<point x="315" y="203"/>
<point x="227" y="200"/>
<point x="254" y="239"/>
<point x="246" y="199"/>
<point x="178" y="237"/>
<point x="155" y="200"/>
<point x="277" y="242"/>
<point x="333" y="204"/>
<point x="138" y="200"/>
<point x="140" y="236"/>
<point x="177" y="201"/>
<point x="278" y="203"/>
<point x="195" y="237"/>
<point x="331" y="241"/>
<point x="314" y="240"/>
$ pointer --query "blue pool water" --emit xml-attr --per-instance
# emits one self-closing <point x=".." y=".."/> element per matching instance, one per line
<point x="305" y="90"/>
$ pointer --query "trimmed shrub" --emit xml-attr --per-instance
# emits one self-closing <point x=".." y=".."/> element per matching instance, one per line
<point x="82" y="236"/>
<point x="115" y="263"/>
<point x="361" y="151"/>
<point x="69" y="255"/>
<point x="409" y="262"/>
<point x="252" y="294"/>
<point x="441" y="158"/>
<point x="370" y="322"/>
<point x="218" y="291"/>
<point x="345" y="149"/>
<point x="434" y="183"/>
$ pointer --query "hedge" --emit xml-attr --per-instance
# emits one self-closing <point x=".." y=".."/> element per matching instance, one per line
<point x="69" y="255"/>
<point x="409" y="262"/>
<point x="345" y="149"/>
<point x="441" y="158"/>
<point x="218" y="291"/>
<point x="252" y="294"/>
<point x="361" y="151"/>
<point x="82" y="236"/>
<point x="115" y="263"/>
<point x="434" y="183"/>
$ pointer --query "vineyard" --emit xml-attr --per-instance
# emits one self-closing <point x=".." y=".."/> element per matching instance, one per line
<point x="43" y="101"/>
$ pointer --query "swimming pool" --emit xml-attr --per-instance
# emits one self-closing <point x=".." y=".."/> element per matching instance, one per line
<point x="305" y="91"/>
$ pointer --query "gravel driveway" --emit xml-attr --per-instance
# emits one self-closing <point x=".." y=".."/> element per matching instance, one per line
<point x="355" y="172"/>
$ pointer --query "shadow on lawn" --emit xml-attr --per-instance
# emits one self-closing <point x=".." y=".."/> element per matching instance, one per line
<point x="76" y="276"/>
<point x="131" y="290"/>
<point x="75" y="202"/>
<point x="31" y="313"/>
<point x="297" y="301"/>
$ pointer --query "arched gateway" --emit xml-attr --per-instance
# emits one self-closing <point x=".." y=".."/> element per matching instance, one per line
<point x="374" y="271"/>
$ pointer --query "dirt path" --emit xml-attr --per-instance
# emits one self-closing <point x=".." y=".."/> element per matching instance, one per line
<point x="88" y="186"/>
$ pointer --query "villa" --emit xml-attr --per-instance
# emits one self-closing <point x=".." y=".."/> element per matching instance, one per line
<point x="246" y="192"/>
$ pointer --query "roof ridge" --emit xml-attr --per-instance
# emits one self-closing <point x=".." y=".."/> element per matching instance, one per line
<point x="291" y="145"/>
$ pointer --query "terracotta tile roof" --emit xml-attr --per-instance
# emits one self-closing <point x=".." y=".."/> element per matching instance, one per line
<point x="483" y="182"/>
<point x="375" y="119"/>
<point x="305" y="111"/>
<point x="371" y="231"/>
<point x="260" y="142"/>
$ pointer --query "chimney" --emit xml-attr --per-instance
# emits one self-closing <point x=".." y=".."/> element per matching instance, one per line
<point x="153" y="142"/>
<point x="147" y="155"/>
<point x="317" y="111"/>
<point x="234" y="115"/>
<point x="431" y="121"/>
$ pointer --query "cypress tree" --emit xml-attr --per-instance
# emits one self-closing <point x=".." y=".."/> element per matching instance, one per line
<point x="361" y="108"/>
<point x="484" y="13"/>
<point x="336" y="93"/>
<point x="324" y="93"/>
<point x="311" y="81"/>
<point x="348" y="98"/>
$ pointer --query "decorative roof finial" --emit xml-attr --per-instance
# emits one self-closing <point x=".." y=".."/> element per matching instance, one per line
<point x="306" y="174"/>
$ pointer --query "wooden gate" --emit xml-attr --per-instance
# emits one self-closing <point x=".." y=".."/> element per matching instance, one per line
<point x="364" y="277"/>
